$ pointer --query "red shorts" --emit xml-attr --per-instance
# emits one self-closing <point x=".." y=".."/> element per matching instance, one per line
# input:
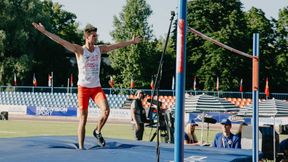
<point x="84" y="94"/>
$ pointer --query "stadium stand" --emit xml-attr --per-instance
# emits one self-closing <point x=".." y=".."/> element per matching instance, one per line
<point x="45" y="99"/>
<point x="115" y="101"/>
<point x="241" y="102"/>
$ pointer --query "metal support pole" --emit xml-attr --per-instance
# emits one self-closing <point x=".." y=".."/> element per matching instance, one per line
<point x="180" y="82"/>
<point x="255" y="96"/>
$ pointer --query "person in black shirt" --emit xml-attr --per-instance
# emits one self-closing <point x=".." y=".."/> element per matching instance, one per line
<point x="138" y="115"/>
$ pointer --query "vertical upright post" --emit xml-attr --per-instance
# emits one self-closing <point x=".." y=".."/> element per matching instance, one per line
<point x="52" y="79"/>
<point x="71" y="83"/>
<point x="180" y="82"/>
<point x="255" y="93"/>
<point x="202" y="127"/>
<point x="68" y="81"/>
<point x="274" y="142"/>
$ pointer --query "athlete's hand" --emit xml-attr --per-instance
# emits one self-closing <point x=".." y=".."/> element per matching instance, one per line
<point x="39" y="27"/>
<point x="136" y="40"/>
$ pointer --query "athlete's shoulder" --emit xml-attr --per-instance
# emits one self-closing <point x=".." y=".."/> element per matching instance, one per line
<point x="97" y="48"/>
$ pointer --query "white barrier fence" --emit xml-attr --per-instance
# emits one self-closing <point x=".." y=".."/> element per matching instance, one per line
<point x="14" y="109"/>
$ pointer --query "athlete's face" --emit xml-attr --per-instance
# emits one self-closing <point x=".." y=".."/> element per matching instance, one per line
<point x="91" y="37"/>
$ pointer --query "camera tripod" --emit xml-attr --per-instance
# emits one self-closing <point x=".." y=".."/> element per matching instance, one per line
<point x="163" y="134"/>
<point x="157" y="87"/>
<point x="166" y="127"/>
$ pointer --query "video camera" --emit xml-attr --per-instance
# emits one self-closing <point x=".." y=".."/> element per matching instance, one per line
<point x="166" y="122"/>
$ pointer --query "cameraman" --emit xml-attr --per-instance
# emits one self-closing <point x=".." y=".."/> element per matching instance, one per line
<point x="138" y="115"/>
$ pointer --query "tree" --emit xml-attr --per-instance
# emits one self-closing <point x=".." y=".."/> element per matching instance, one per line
<point x="2" y="38"/>
<point x="133" y="61"/>
<point x="280" y="83"/>
<point x="31" y="52"/>
<point x="169" y="61"/>
<point x="223" y="21"/>
<point x="50" y="54"/>
<point x="258" y="23"/>
<point x="15" y="49"/>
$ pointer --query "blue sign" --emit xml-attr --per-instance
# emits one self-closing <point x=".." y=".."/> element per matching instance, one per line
<point x="51" y="111"/>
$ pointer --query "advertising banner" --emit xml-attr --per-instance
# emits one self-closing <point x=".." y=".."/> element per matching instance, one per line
<point x="122" y="114"/>
<point x="51" y="111"/>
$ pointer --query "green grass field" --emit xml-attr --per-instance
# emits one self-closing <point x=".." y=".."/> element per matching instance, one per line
<point x="26" y="128"/>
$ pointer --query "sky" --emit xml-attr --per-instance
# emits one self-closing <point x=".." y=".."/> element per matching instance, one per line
<point x="100" y="13"/>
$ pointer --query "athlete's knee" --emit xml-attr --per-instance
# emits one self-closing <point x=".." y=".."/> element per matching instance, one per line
<point x="83" y="115"/>
<point x="107" y="112"/>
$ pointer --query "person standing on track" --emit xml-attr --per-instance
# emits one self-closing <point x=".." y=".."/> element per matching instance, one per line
<point x="138" y="115"/>
<point x="88" y="59"/>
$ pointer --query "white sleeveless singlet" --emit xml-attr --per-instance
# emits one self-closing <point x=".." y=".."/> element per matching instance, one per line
<point x="89" y="68"/>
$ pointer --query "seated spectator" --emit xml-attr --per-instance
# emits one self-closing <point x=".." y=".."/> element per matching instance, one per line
<point x="284" y="149"/>
<point x="239" y="132"/>
<point x="189" y="134"/>
<point x="226" y="139"/>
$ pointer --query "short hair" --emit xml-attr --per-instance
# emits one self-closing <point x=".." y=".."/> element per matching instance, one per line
<point x="90" y="28"/>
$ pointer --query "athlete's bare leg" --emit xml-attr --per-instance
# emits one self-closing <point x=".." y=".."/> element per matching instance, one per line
<point x="81" y="127"/>
<point x="105" y="111"/>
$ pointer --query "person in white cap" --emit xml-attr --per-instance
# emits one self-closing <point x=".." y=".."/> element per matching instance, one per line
<point x="226" y="139"/>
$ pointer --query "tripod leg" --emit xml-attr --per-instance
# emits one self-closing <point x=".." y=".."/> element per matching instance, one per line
<point x="154" y="135"/>
<point x="166" y="137"/>
<point x="207" y="132"/>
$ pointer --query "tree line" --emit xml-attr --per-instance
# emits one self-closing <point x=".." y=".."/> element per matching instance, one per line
<point x="25" y="52"/>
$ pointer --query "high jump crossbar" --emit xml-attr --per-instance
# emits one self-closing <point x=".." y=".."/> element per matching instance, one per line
<point x="219" y="43"/>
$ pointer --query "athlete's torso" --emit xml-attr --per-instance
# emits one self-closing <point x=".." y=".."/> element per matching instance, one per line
<point x="89" y="68"/>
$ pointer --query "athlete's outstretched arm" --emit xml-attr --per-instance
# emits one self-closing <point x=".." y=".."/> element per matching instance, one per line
<point x="71" y="47"/>
<point x="107" y="48"/>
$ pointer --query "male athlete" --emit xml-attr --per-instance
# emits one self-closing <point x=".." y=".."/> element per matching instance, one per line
<point x="88" y="59"/>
